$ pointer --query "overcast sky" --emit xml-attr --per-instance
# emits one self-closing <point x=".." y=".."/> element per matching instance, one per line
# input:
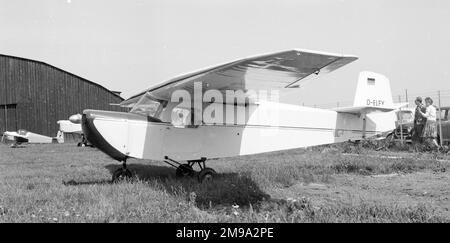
<point x="130" y="45"/>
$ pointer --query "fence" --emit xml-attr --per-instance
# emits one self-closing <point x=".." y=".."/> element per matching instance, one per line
<point x="441" y="99"/>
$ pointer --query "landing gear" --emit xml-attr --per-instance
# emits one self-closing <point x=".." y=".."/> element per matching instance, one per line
<point x="184" y="170"/>
<point x="83" y="142"/>
<point x="122" y="173"/>
<point x="204" y="175"/>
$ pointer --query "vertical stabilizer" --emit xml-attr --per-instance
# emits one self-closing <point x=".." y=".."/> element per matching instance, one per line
<point x="373" y="90"/>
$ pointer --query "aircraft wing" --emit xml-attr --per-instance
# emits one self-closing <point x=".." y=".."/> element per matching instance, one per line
<point x="13" y="134"/>
<point x="285" y="69"/>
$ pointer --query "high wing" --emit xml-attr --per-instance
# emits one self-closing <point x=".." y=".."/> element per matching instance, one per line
<point x="285" y="69"/>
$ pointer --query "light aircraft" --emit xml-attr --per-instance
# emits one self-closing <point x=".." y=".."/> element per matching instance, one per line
<point x="224" y="111"/>
<point x="73" y="126"/>
<point x="24" y="136"/>
<point x="65" y="126"/>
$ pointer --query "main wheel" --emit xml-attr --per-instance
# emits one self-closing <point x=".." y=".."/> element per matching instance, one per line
<point x="206" y="175"/>
<point x="121" y="174"/>
<point x="184" y="170"/>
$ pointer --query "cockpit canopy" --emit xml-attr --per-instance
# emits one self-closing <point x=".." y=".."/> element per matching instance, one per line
<point x="144" y="105"/>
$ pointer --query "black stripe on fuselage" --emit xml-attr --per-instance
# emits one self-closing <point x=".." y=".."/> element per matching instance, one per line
<point x="93" y="136"/>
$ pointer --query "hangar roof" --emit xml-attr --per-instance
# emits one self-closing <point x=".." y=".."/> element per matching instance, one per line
<point x="64" y="71"/>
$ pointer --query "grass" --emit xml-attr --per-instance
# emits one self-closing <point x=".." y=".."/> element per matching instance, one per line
<point x="64" y="183"/>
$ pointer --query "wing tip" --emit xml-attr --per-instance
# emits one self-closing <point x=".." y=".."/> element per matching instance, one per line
<point x="325" y="53"/>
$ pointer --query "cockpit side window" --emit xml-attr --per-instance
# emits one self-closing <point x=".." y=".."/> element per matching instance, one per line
<point x="182" y="117"/>
<point x="444" y="115"/>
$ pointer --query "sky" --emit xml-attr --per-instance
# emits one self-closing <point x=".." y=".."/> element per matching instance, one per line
<point x="130" y="45"/>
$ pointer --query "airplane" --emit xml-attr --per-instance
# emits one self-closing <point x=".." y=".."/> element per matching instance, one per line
<point x="226" y="111"/>
<point x="65" y="126"/>
<point x="73" y="126"/>
<point x="25" y="136"/>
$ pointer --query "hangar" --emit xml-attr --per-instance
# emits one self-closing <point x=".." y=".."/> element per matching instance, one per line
<point x="35" y="95"/>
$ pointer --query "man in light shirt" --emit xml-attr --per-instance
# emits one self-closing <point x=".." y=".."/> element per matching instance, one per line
<point x="419" y="123"/>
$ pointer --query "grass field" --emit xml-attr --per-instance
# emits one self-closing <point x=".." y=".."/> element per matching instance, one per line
<point x="65" y="183"/>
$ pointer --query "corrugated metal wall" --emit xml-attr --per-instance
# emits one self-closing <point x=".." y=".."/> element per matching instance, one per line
<point x="44" y="94"/>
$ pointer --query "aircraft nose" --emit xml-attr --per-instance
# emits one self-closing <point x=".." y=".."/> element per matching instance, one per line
<point x="75" y="118"/>
<point x="95" y="137"/>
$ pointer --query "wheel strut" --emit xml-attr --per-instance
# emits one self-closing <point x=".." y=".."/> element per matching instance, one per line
<point x="205" y="173"/>
<point x="122" y="173"/>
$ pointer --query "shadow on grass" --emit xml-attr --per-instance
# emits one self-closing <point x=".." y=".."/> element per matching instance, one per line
<point x="146" y="172"/>
<point x="81" y="183"/>
<point x="226" y="189"/>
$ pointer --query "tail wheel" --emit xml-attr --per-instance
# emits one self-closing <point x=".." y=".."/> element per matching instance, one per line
<point x="184" y="170"/>
<point x="206" y="175"/>
<point x="121" y="174"/>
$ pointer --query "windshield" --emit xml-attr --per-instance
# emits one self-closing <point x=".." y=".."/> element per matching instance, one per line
<point x="147" y="106"/>
<point x="444" y="115"/>
<point x="405" y="116"/>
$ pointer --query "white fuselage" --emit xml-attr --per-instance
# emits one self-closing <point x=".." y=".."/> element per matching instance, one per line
<point x="267" y="127"/>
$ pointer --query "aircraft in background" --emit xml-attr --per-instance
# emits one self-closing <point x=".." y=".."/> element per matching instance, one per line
<point x="24" y="136"/>
<point x="163" y="126"/>
<point x="73" y="126"/>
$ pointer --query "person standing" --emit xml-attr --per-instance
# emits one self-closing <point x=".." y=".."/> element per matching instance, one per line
<point x="419" y="123"/>
<point x="430" y="130"/>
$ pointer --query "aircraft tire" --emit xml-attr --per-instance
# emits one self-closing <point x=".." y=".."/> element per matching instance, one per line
<point x="121" y="174"/>
<point x="206" y="175"/>
<point x="184" y="170"/>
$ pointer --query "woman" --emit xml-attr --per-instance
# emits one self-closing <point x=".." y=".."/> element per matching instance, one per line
<point x="430" y="130"/>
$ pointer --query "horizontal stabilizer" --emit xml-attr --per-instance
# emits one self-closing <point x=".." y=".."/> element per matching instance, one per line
<point x="363" y="109"/>
<point x="368" y="109"/>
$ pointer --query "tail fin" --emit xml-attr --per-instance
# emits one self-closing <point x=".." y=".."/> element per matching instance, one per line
<point x="373" y="104"/>
<point x="373" y="91"/>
